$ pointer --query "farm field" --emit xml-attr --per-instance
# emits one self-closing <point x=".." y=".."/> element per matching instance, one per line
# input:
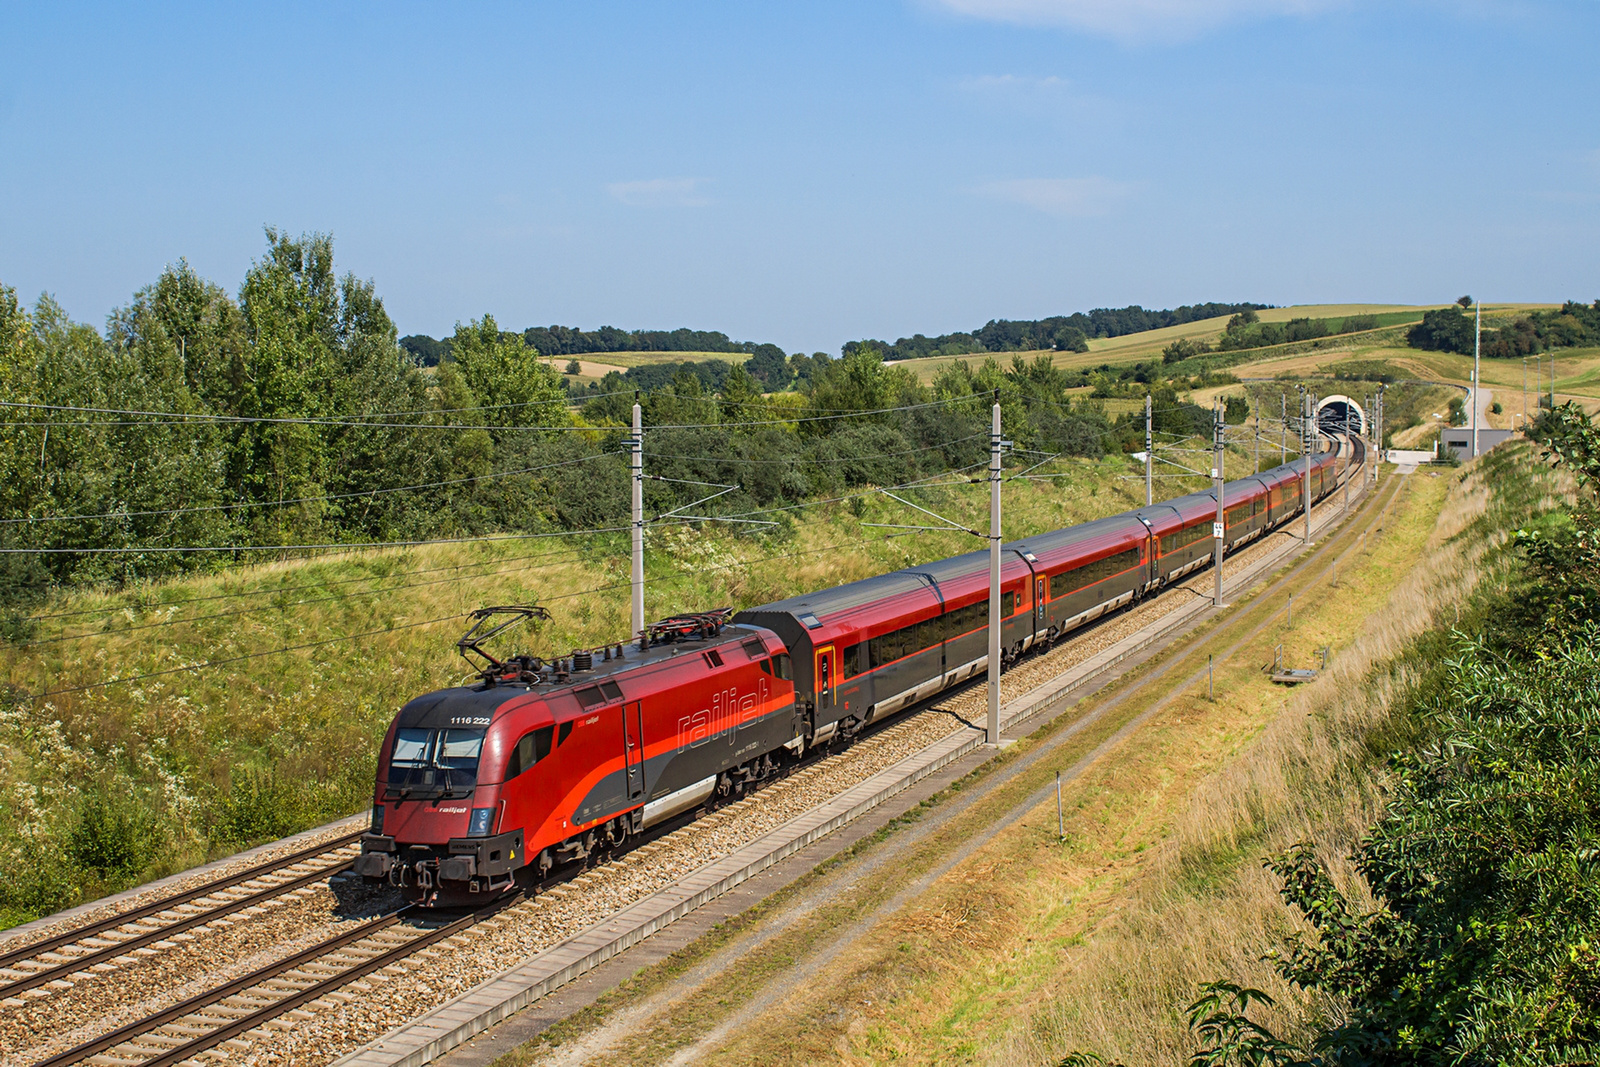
<point x="596" y="365"/>
<point x="1134" y="348"/>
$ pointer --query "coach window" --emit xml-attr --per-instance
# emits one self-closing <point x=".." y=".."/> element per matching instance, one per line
<point x="533" y="747"/>
<point x="852" y="662"/>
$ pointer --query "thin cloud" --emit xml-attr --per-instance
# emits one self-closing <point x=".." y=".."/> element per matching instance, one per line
<point x="1066" y="198"/>
<point x="1045" y="96"/>
<point x="660" y="192"/>
<point x="1133" y="20"/>
<point x="1014" y="83"/>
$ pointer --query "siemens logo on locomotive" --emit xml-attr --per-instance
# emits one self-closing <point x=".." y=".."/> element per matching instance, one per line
<point x="536" y="764"/>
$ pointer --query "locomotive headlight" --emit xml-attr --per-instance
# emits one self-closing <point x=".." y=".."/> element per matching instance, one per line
<point x="479" y="826"/>
<point x="377" y="818"/>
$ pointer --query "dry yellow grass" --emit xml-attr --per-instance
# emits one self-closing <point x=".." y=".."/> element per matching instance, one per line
<point x="1026" y="951"/>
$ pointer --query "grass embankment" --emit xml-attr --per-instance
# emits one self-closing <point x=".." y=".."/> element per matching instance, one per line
<point x="1028" y="949"/>
<point x="1160" y="886"/>
<point x="112" y="784"/>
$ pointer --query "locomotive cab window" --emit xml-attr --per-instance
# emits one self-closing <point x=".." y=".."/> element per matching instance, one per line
<point x="533" y="747"/>
<point x="434" y="763"/>
<point x="782" y="667"/>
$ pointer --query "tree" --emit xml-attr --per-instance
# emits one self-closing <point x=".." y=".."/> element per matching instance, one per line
<point x="858" y="382"/>
<point x="574" y="367"/>
<point x="1464" y="301"/>
<point x="769" y="365"/>
<point x="506" y="378"/>
<point x="1444" y="330"/>
<point x="741" y="397"/>
<point x="1179" y="350"/>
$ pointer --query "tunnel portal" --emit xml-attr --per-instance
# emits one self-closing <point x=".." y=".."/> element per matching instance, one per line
<point x="1332" y="412"/>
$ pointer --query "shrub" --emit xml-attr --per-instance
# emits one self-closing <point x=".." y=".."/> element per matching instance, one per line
<point x="115" y="836"/>
<point x="261" y="806"/>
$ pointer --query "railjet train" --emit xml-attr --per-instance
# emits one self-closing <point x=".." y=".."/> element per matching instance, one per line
<point x="536" y="765"/>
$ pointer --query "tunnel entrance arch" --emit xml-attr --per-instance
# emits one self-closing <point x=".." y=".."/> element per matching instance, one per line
<point x="1332" y="411"/>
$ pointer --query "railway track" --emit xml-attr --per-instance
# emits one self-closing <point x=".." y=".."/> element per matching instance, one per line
<point x="27" y="967"/>
<point x="201" y="1022"/>
<point x="251" y="1002"/>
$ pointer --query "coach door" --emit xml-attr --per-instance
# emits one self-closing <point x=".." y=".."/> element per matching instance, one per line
<point x="827" y="684"/>
<point x="633" y="748"/>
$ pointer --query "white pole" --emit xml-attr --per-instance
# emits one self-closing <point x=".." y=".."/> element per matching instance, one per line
<point x="1477" y="385"/>
<point x="1381" y="391"/>
<point x="1307" y="405"/>
<point x="1347" y="444"/>
<point x="1218" y="529"/>
<point x="636" y="462"/>
<point x="1149" y="460"/>
<point x="994" y="577"/>
<point x="1283" y="440"/>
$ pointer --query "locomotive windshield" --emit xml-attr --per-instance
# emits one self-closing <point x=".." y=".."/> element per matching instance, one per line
<point x="434" y="764"/>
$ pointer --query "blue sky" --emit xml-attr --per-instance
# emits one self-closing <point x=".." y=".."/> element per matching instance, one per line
<point x="809" y="174"/>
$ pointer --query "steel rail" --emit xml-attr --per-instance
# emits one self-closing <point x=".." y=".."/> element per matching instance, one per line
<point x="321" y="989"/>
<point x="222" y="992"/>
<point x="157" y="906"/>
<point x="122" y="948"/>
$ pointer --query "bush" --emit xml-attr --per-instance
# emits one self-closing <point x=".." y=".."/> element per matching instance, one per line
<point x="114" y="836"/>
<point x="263" y="806"/>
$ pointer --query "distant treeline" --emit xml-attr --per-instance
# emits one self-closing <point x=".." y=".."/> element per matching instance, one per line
<point x="1062" y="333"/>
<point x="571" y="341"/>
<point x="201" y="422"/>
<point x="1451" y="329"/>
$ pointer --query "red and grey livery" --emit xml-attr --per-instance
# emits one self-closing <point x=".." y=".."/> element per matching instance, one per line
<point x="539" y="764"/>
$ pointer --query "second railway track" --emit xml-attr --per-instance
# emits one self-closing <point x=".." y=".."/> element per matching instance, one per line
<point x="79" y="949"/>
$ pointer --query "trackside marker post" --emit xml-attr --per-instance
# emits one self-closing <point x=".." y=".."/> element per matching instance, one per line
<point x="1061" y="825"/>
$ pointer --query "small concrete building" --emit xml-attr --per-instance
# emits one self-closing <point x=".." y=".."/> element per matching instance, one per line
<point x="1458" y="439"/>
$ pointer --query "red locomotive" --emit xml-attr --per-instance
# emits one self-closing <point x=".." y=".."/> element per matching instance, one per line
<point x="538" y="764"/>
